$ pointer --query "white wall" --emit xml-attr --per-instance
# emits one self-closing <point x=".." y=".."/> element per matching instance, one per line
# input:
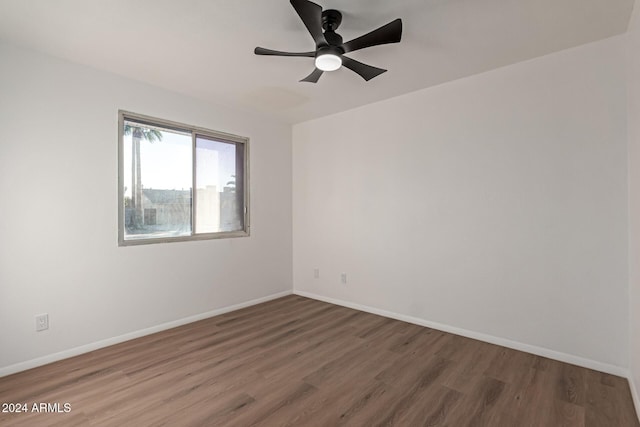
<point x="495" y="205"/>
<point x="633" y="71"/>
<point x="58" y="214"/>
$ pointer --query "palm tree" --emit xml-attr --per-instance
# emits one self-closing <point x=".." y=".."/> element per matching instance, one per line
<point x="138" y="134"/>
<point x="231" y="185"/>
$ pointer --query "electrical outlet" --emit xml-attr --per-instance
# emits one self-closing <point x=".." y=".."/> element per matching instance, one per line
<point x="42" y="322"/>
<point x="316" y="273"/>
<point x="343" y="278"/>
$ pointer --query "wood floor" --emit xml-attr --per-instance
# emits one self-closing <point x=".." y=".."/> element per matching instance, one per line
<point x="300" y="362"/>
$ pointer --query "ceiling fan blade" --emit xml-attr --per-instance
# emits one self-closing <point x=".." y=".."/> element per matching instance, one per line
<point x="263" y="51"/>
<point x="390" y="33"/>
<point x="311" y="15"/>
<point x="313" y="77"/>
<point x="365" y="71"/>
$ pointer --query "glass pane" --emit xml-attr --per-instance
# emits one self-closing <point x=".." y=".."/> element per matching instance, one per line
<point x="157" y="182"/>
<point x="219" y="186"/>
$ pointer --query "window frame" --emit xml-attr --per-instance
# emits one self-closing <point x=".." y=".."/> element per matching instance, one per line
<point x="195" y="131"/>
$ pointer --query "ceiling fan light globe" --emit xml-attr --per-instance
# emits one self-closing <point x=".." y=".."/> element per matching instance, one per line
<point x="328" y="62"/>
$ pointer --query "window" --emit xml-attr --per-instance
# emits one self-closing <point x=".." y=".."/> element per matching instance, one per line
<point x="179" y="182"/>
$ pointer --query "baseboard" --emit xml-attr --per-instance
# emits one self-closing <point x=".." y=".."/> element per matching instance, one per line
<point x="44" y="360"/>
<point x="634" y="394"/>
<point x="540" y="351"/>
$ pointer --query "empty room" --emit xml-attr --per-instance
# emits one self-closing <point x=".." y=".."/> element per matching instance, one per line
<point x="297" y="213"/>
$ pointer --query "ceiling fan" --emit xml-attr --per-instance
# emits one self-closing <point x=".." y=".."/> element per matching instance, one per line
<point x="330" y="50"/>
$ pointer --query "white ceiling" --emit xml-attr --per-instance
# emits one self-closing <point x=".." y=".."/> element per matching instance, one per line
<point x="204" y="48"/>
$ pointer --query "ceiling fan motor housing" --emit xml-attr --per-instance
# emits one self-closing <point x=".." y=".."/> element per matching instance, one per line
<point x="329" y="50"/>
